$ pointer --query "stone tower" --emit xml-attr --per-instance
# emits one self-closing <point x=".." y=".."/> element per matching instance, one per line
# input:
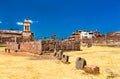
<point x="27" y="35"/>
<point x="26" y="25"/>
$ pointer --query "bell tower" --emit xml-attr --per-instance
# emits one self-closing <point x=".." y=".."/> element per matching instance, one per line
<point x="27" y="35"/>
<point x="26" y="25"/>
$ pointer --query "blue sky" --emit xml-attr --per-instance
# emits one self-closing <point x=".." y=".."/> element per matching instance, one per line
<point x="61" y="17"/>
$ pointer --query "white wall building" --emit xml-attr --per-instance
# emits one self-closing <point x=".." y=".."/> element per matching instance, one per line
<point x="87" y="34"/>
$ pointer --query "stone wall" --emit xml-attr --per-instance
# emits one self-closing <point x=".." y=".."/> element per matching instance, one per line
<point x="68" y="45"/>
<point x="12" y="45"/>
<point x="42" y="46"/>
<point x="48" y="45"/>
<point x="34" y="47"/>
<point x="65" y="45"/>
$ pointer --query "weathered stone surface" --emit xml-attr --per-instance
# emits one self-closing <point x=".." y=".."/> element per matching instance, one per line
<point x="65" y="58"/>
<point x="12" y="45"/>
<point x="44" y="46"/>
<point x="55" y="52"/>
<point x="7" y="50"/>
<point x="68" y="45"/>
<point x="80" y="63"/>
<point x="59" y="54"/>
<point x="91" y="69"/>
<point x="48" y="45"/>
<point x="34" y="47"/>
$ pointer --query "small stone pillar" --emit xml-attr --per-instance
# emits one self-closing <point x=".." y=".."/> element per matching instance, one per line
<point x="59" y="54"/>
<point x="65" y="58"/>
<point x="80" y="63"/>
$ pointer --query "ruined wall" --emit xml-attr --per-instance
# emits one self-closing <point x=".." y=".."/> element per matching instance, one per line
<point x="42" y="46"/>
<point x="12" y="45"/>
<point x="48" y="45"/>
<point x="34" y="47"/>
<point x="68" y="45"/>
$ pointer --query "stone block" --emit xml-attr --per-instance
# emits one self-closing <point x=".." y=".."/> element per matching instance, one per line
<point x="55" y="52"/>
<point x="5" y="49"/>
<point x="59" y="54"/>
<point x="65" y="58"/>
<point x="80" y="63"/>
<point x="91" y="69"/>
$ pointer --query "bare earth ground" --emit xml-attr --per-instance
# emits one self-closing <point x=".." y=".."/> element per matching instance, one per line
<point x="24" y="65"/>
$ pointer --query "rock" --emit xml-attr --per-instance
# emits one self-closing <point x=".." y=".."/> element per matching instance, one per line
<point x="55" y="52"/>
<point x="91" y="69"/>
<point x="59" y="54"/>
<point x="65" y="58"/>
<point x="80" y="63"/>
<point x="5" y="49"/>
<point x="8" y="50"/>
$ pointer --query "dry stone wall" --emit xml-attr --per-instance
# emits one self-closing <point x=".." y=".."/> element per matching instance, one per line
<point x="43" y="46"/>
<point x="31" y="47"/>
<point x="12" y="45"/>
<point x="68" y="45"/>
<point x="34" y="47"/>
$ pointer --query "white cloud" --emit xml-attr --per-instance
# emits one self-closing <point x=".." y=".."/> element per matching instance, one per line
<point x="30" y="21"/>
<point x="19" y="23"/>
<point x="0" y="22"/>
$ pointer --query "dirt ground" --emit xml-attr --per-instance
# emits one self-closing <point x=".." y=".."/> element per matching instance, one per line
<point x="25" y="65"/>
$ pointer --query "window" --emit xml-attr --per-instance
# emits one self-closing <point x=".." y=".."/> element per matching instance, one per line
<point x="27" y="28"/>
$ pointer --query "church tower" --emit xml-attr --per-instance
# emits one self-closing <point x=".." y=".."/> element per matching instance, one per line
<point x="26" y="25"/>
<point x="27" y="35"/>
